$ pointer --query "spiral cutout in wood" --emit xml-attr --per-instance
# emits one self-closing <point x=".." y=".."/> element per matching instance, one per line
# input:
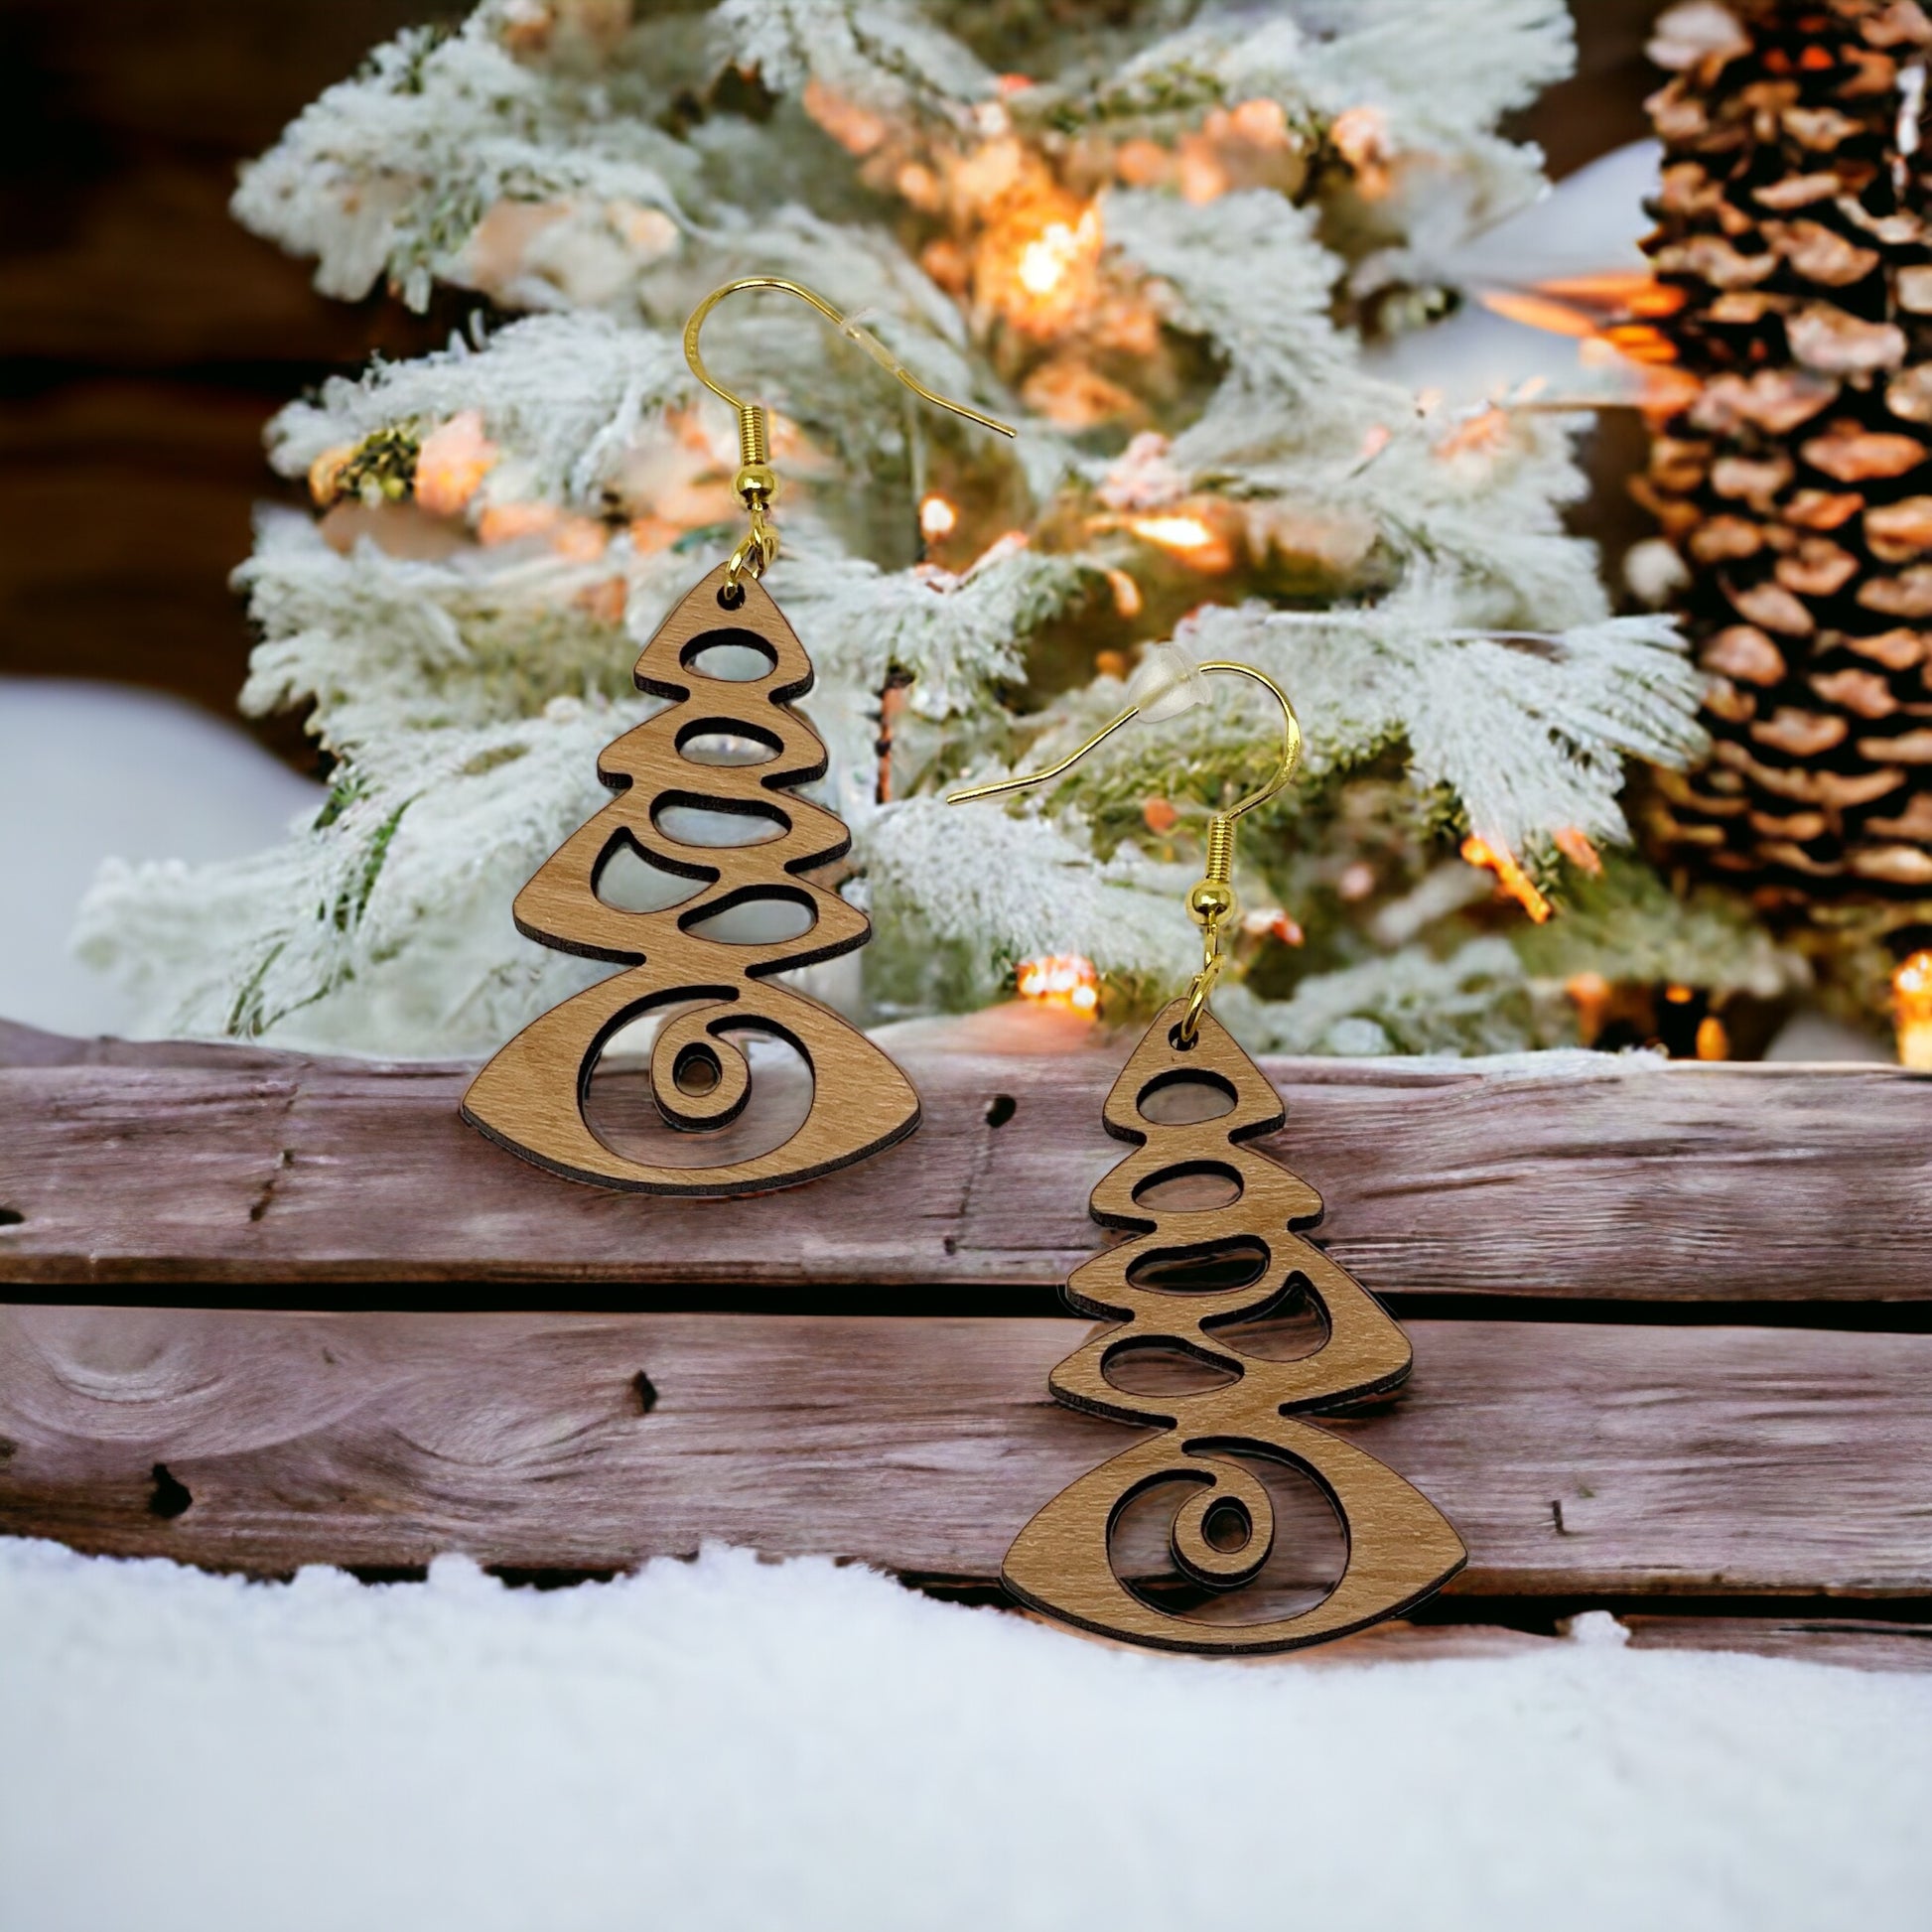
<point x="530" y="1097"/>
<point x="1399" y="1547"/>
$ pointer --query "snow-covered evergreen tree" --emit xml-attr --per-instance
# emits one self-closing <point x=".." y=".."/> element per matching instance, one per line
<point x="1159" y="241"/>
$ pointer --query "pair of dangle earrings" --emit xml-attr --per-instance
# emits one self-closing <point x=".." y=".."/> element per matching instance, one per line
<point x="1186" y="1282"/>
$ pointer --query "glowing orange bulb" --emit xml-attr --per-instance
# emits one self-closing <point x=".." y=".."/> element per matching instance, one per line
<point x="938" y="517"/>
<point x="1912" y="987"/>
<point x="1044" y="263"/>
<point x="1510" y="877"/>
<point x="1187" y="538"/>
<point x="1174" y="533"/>
<point x="1575" y="846"/>
<point x="1036" y="265"/>
<point x="455" y="459"/>
<point x="1060" y="980"/>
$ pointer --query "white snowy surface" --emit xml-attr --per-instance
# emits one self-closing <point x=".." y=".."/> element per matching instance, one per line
<point x="92" y="772"/>
<point x="728" y="1743"/>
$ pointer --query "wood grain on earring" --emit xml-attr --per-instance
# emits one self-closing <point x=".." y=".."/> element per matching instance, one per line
<point x="530" y="1097"/>
<point x="1189" y="1284"/>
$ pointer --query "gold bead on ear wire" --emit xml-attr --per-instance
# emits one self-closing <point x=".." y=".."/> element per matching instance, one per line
<point x="756" y="482"/>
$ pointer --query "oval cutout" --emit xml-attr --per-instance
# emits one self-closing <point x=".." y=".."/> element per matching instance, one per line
<point x="1201" y="1267"/>
<point x="1180" y="1099"/>
<point x="713" y="830"/>
<point x="708" y="743"/>
<point x="1227" y="1527"/>
<point x="1161" y="1368"/>
<point x="730" y="656"/>
<point x="1193" y="1187"/>
<point x="697" y="1070"/>
<point x="628" y="882"/>
<point x="1292" y="1326"/>
<point x="763" y="919"/>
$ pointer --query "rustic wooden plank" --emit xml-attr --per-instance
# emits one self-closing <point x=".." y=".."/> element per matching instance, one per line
<point x="1573" y="1175"/>
<point x="1857" y="1643"/>
<point x="1848" y="1643"/>
<point x="1580" y="1461"/>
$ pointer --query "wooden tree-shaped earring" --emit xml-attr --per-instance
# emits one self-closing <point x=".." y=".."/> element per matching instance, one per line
<point x="1400" y="1548"/>
<point x="531" y="1097"/>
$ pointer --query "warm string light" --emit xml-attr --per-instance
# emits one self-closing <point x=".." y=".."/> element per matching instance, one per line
<point x="1510" y="877"/>
<point x="1911" y="994"/>
<point x="1270" y="922"/>
<point x="1248" y="145"/>
<point x="1360" y="135"/>
<point x="1060" y="980"/>
<point x="938" y="517"/>
<point x="1127" y="592"/>
<point x="1712" y="1041"/>
<point x="455" y="459"/>
<point x="1188" y="538"/>
<point x="1037" y="266"/>
<point x="1047" y="261"/>
<point x="1574" y="842"/>
<point x="1589" y="992"/>
<point x="1632" y="1013"/>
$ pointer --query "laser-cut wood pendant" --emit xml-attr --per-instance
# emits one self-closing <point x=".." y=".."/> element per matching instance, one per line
<point x="1400" y="1548"/>
<point x="530" y="1097"/>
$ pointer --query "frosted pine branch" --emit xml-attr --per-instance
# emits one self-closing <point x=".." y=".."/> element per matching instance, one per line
<point x="383" y="927"/>
<point x="1526" y="731"/>
<point x="1012" y="884"/>
<point x="389" y="173"/>
<point x="564" y="397"/>
<point x="1477" y="1001"/>
<point x="881" y="57"/>
<point x="1246" y="272"/>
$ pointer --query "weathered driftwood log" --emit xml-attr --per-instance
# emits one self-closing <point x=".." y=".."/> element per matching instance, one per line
<point x="1580" y="1175"/>
<point x="1578" y="1462"/>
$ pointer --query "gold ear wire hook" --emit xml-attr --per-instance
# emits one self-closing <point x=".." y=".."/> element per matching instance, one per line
<point x="1210" y="901"/>
<point x="755" y="484"/>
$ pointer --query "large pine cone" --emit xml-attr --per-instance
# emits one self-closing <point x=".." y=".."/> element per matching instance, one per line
<point x="1798" y="486"/>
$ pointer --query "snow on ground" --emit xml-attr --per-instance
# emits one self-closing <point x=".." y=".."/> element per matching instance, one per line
<point x="728" y="1743"/>
<point x="92" y="772"/>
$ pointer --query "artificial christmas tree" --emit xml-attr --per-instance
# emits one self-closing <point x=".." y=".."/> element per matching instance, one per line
<point x="1797" y="484"/>
<point x="1160" y="238"/>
